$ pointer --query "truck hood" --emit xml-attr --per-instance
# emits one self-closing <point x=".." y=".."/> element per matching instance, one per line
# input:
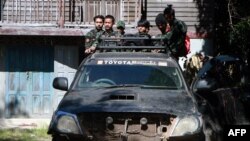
<point x="128" y="100"/>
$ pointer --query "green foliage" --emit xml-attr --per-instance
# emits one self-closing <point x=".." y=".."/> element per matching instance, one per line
<point x="232" y="26"/>
<point x="239" y="37"/>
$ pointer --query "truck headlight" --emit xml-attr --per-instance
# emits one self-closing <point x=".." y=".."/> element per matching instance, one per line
<point x="66" y="123"/>
<point x="186" y="125"/>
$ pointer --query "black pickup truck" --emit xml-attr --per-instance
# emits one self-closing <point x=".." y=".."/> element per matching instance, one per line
<point x="127" y="96"/>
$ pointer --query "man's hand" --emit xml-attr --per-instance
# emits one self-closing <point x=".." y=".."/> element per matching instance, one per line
<point x="90" y="50"/>
<point x="156" y="50"/>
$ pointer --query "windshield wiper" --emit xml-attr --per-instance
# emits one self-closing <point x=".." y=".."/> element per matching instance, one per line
<point x="159" y="87"/>
<point x="141" y="86"/>
<point x="124" y="85"/>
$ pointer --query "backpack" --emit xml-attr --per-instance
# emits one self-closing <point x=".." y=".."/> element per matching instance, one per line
<point x="186" y="48"/>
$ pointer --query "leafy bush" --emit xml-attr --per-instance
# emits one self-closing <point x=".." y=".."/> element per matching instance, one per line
<point x="240" y="42"/>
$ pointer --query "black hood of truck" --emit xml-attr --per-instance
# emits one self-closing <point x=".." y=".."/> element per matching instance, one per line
<point x="128" y="100"/>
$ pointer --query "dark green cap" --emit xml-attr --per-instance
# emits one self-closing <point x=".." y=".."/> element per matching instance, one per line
<point x="120" y="24"/>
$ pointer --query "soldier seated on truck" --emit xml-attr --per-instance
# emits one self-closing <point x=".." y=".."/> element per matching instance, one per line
<point x="109" y="21"/>
<point x="143" y="27"/>
<point x="91" y="36"/>
<point x="141" y="38"/>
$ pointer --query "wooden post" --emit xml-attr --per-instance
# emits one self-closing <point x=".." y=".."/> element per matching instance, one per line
<point x="103" y="10"/>
<point x="61" y="13"/>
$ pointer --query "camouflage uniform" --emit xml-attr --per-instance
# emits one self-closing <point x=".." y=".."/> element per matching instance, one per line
<point x="107" y="34"/>
<point x="159" y="43"/>
<point x="110" y="34"/>
<point x="175" y="38"/>
<point x="91" y="38"/>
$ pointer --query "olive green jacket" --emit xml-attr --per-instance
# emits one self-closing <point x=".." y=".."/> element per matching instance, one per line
<point x="91" y="37"/>
<point x="175" y="38"/>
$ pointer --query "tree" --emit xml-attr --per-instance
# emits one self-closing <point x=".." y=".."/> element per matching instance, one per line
<point x="232" y="30"/>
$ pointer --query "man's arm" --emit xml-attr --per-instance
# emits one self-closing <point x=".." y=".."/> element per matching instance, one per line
<point x="94" y="43"/>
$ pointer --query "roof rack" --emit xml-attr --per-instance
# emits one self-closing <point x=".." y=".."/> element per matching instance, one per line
<point x="138" y="42"/>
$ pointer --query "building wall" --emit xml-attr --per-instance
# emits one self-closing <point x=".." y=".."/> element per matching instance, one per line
<point x="66" y="55"/>
<point x="198" y="14"/>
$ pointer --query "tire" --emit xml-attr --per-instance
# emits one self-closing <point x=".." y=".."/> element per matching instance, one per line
<point x="67" y="138"/>
<point x="59" y="138"/>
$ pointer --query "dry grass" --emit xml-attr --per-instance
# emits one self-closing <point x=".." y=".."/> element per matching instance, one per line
<point x="17" y="134"/>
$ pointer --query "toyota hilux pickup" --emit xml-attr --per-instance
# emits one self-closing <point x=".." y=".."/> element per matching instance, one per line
<point x="127" y="96"/>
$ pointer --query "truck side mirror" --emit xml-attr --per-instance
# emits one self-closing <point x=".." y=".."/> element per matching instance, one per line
<point x="60" y="83"/>
<point x="205" y="85"/>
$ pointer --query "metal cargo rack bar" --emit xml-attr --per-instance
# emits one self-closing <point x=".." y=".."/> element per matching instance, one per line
<point x="131" y="47"/>
<point x="119" y="43"/>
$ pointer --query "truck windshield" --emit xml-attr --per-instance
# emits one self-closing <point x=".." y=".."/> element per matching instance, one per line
<point x="129" y="75"/>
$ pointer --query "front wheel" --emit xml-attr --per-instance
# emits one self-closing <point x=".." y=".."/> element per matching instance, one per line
<point x="67" y="138"/>
<point x="59" y="138"/>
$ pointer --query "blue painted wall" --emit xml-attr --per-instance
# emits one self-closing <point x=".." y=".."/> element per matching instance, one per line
<point x="29" y="77"/>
